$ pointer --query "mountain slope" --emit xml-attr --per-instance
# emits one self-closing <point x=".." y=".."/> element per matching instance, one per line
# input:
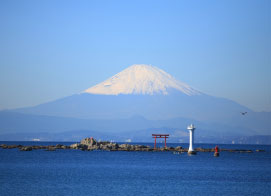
<point x="152" y="93"/>
<point x="141" y="79"/>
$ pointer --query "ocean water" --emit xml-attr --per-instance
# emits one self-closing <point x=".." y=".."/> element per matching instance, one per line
<point x="75" y="172"/>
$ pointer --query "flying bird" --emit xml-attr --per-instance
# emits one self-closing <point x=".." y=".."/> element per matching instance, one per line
<point x="243" y="113"/>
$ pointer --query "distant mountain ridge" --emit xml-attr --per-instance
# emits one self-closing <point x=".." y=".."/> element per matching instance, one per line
<point x="31" y="123"/>
<point x="159" y="107"/>
<point x="137" y="128"/>
<point x="148" y="92"/>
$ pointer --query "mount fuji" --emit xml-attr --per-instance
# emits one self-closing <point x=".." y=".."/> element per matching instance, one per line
<point x="141" y="79"/>
<point x="149" y="93"/>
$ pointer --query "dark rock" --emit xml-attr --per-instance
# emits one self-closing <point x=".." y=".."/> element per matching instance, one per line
<point x="178" y="148"/>
<point x="65" y="147"/>
<point x="245" y="151"/>
<point x="170" y="148"/>
<point x="89" y="141"/>
<point x="125" y="147"/>
<point x="51" y="148"/>
<point x="115" y="146"/>
<point x="164" y="149"/>
<point x="26" y="148"/>
<point x="260" y="150"/>
<point x="249" y="151"/>
<point x="58" y="146"/>
<point x="74" y="146"/>
<point x="90" y="148"/>
<point x="204" y="150"/>
<point x="36" y="147"/>
<point x="11" y="146"/>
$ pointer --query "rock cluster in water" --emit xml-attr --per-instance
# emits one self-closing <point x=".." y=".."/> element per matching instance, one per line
<point x="90" y="144"/>
<point x="34" y="147"/>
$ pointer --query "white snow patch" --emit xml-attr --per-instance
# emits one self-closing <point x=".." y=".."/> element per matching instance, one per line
<point x="141" y="79"/>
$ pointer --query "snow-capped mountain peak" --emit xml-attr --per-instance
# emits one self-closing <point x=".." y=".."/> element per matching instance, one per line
<point x="141" y="79"/>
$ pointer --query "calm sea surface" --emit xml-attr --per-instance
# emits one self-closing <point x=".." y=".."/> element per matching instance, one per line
<point x="75" y="172"/>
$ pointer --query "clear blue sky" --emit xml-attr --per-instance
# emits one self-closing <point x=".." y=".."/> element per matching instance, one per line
<point x="52" y="49"/>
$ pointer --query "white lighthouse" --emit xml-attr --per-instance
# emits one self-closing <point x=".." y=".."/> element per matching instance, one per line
<point x="191" y="129"/>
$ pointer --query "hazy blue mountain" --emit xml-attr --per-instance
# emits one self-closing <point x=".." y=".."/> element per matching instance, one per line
<point x="17" y="126"/>
<point x="157" y="107"/>
<point x="138" y="99"/>
<point x="11" y="122"/>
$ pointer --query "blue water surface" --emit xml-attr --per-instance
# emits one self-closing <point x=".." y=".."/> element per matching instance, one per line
<point x="75" y="172"/>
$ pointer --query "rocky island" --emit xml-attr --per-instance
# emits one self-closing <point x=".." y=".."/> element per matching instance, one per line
<point x="90" y="144"/>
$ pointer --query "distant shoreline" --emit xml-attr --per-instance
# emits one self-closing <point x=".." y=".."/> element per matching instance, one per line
<point x="90" y="144"/>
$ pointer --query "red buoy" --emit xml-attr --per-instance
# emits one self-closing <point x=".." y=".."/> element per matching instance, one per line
<point x="216" y="151"/>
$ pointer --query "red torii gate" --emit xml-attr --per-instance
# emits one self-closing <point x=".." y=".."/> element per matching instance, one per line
<point x="160" y="136"/>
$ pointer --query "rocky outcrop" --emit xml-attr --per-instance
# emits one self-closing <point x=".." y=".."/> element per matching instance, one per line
<point x="51" y="148"/>
<point x="89" y="141"/>
<point x="90" y="144"/>
<point x="26" y="148"/>
<point x="4" y="146"/>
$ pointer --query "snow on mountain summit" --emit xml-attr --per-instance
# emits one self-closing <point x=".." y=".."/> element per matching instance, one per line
<point x="141" y="79"/>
